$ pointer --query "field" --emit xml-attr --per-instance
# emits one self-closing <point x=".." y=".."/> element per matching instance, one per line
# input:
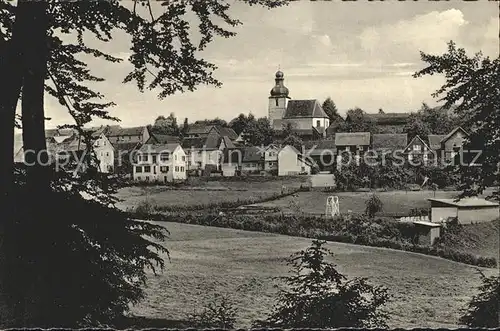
<point x="427" y="291"/>
<point x="395" y="202"/>
<point x="203" y="193"/>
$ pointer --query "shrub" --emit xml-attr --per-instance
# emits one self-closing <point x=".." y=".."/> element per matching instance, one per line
<point x="318" y="296"/>
<point x="218" y="313"/>
<point x="373" y="205"/>
<point x="483" y="310"/>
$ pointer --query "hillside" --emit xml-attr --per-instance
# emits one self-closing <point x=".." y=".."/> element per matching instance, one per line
<point x="426" y="291"/>
<point x="480" y="239"/>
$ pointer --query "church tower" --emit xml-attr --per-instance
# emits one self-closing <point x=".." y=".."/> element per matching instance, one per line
<point x="278" y="99"/>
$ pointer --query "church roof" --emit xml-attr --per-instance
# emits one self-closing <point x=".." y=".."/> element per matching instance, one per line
<point x="304" y="108"/>
<point x="279" y="90"/>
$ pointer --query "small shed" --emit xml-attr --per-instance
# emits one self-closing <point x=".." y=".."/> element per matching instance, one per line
<point x="466" y="210"/>
<point x="427" y="232"/>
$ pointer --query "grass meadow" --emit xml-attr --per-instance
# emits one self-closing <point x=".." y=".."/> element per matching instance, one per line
<point x="427" y="291"/>
<point x="204" y="193"/>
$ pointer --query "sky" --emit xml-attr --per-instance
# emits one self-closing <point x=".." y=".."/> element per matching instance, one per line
<point x="361" y="54"/>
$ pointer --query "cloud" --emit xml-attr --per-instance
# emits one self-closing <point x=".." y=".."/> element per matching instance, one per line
<point x="404" y="39"/>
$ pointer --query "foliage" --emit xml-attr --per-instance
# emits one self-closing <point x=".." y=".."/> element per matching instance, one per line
<point x="356" y="121"/>
<point x="103" y="250"/>
<point x="318" y="296"/>
<point x="331" y="109"/>
<point x="239" y="124"/>
<point x="416" y="126"/>
<point x="166" y="125"/>
<point x="258" y="132"/>
<point x="373" y="205"/>
<point x="357" y="229"/>
<point x="216" y="121"/>
<point x="472" y="86"/>
<point x="483" y="310"/>
<point x="218" y="313"/>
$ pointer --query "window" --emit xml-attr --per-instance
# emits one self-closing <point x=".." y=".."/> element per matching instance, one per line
<point x="175" y="157"/>
<point x="164" y="169"/>
<point x="154" y="158"/>
<point x="277" y="104"/>
<point x="107" y="153"/>
<point x="154" y="170"/>
<point x="138" y="169"/>
<point x="182" y="169"/>
<point x="209" y="157"/>
<point x="410" y="157"/>
<point x="147" y="168"/>
<point x="164" y="156"/>
<point x="145" y="158"/>
<point x="176" y="168"/>
<point x="165" y="179"/>
<point x="417" y="148"/>
<point x="318" y="123"/>
<point x="183" y="158"/>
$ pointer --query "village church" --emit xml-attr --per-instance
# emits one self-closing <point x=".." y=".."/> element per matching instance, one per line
<point x="306" y="117"/>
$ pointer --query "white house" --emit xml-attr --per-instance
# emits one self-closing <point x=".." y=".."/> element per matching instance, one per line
<point x="105" y="153"/>
<point x="160" y="163"/>
<point x="203" y="151"/>
<point x="271" y="157"/>
<point x="292" y="162"/>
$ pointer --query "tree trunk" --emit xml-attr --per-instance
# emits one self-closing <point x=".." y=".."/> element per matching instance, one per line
<point x="34" y="73"/>
<point x="11" y="76"/>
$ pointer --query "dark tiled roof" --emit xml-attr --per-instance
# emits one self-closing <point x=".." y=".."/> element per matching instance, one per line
<point x="389" y="141"/>
<point x="318" y="146"/>
<point x="188" y="143"/>
<point x="227" y="142"/>
<point x="199" y="128"/>
<point x="352" y="138"/>
<point x="389" y="118"/>
<point x="209" y="142"/>
<point x="304" y="108"/>
<point x="115" y="131"/>
<point x="126" y="146"/>
<point x="252" y="154"/>
<point x="158" y="148"/>
<point x="243" y="154"/>
<point x="156" y="138"/>
<point x="228" y="132"/>
<point x="435" y="140"/>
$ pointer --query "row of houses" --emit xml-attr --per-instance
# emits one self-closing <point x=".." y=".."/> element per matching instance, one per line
<point x="212" y="148"/>
<point x="428" y="148"/>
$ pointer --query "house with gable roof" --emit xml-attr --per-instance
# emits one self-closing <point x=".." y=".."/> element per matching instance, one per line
<point x="291" y="162"/>
<point x="418" y="151"/>
<point x="160" y="163"/>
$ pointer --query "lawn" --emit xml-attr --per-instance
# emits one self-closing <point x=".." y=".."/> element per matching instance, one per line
<point x="395" y="202"/>
<point x="204" y="192"/>
<point x="427" y="291"/>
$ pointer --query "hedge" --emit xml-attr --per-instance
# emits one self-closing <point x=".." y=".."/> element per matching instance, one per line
<point x="361" y="231"/>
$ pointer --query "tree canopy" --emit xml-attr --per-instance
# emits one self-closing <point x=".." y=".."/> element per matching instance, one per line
<point x="36" y="285"/>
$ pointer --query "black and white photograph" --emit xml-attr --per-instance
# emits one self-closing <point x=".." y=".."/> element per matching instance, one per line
<point x="249" y="164"/>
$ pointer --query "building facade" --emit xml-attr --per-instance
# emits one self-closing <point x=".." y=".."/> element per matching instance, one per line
<point x="160" y="163"/>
